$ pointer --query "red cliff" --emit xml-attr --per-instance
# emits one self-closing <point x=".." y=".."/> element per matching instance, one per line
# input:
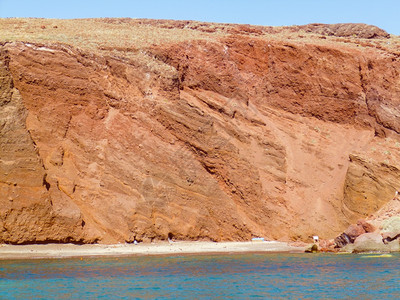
<point x="141" y="129"/>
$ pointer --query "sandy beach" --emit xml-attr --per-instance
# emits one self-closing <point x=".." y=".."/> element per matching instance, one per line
<point x="160" y="248"/>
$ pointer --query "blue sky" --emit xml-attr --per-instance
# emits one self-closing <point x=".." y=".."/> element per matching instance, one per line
<point x="383" y="13"/>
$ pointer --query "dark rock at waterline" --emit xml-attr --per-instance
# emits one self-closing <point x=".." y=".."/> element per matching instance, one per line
<point x="388" y="237"/>
<point x="312" y="249"/>
<point x="352" y="232"/>
<point x="342" y="240"/>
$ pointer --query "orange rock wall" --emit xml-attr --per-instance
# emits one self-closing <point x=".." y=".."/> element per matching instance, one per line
<point x="244" y="137"/>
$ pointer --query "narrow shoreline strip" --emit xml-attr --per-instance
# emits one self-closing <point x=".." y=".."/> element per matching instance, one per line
<point x="161" y="248"/>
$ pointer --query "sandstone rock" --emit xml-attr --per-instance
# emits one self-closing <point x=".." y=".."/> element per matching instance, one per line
<point x="366" y="226"/>
<point x="353" y="231"/>
<point x="342" y="240"/>
<point x="389" y="237"/>
<point x="386" y="212"/>
<point x="391" y="225"/>
<point x="372" y="242"/>
<point x="346" y="249"/>
<point x="369" y="186"/>
<point x="369" y="242"/>
<point x="312" y="249"/>
<point x="198" y="132"/>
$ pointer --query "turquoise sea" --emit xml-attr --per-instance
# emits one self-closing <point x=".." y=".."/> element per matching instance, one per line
<point x="238" y="276"/>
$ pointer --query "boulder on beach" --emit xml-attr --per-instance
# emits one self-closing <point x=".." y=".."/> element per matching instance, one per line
<point x="372" y="242"/>
<point x="368" y="227"/>
<point x="342" y="240"/>
<point x="353" y="231"/>
<point x="312" y="249"/>
<point x="349" y="235"/>
<point x="389" y="237"/>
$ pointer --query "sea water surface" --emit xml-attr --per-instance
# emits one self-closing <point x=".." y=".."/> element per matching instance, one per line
<point x="267" y="276"/>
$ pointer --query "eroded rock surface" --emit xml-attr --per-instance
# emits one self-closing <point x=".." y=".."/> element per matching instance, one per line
<point x="223" y="138"/>
<point x="372" y="242"/>
<point x="359" y="30"/>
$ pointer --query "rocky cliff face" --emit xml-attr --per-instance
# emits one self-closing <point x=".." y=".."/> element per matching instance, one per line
<point x="244" y="132"/>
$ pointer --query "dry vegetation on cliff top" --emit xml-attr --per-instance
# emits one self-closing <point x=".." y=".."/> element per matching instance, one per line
<point x="129" y="38"/>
